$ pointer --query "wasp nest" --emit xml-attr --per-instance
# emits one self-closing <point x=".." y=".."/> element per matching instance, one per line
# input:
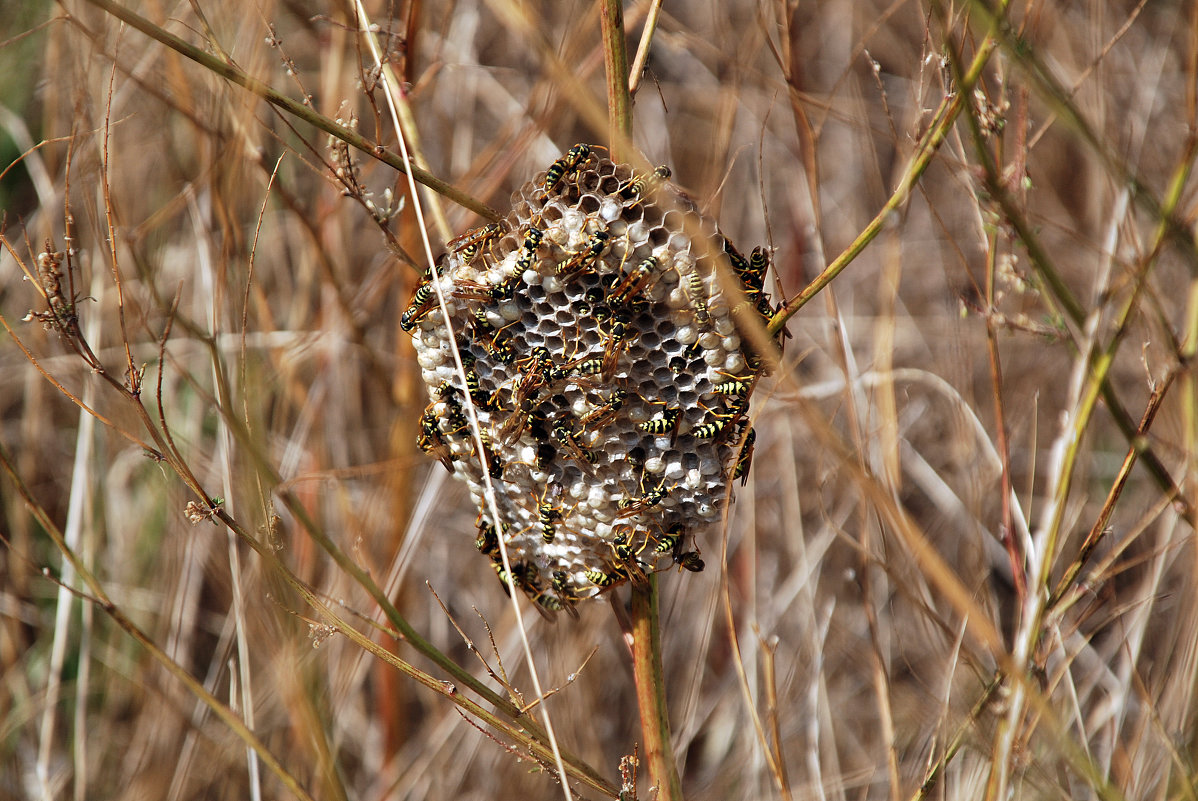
<point x="607" y="371"/>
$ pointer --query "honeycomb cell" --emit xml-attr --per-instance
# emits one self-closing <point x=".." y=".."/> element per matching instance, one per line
<point x="584" y="377"/>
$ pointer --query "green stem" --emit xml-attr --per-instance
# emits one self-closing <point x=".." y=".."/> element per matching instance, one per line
<point x="234" y="75"/>
<point x="615" y="57"/>
<point x="942" y="121"/>
<point x="651" y="692"/>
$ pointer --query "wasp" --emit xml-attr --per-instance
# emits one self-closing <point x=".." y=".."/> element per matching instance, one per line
<point x="740" y="265"/>
<point x="548" y="514"/>
<point x="759" y="262"/>
<point x="645" y="185"/>
<point x="470" y="243"/>
<point x="431" y="441"/>
<point x="485" y="400"/>
<point x="575" y="157"/>
<point x="492" y="462"/>
<point x="500" y="349"/>
<point x="472" y="290"/>
<point x="735" y="386"/>
<point x="602" y="579"/>
<point x="421" y="305"/>
<point x="546" y="454"/>
<point x="564" y="435"/>
<point x="632" y="506"/>
<point x="673" y="542"/>
<point x="666" y="424"/>
<point x="524" y="575"/>
<point x="710" y="430"/>
<point x="487" y="542"/>
<point x="536" y="367"/>
<point x="669" y="542"/>
<point x="635" y="281"/>
<point x="514" y="426"/>
<point x="693" y="287"/>
<point x="720" y="421"/>
<point x="628" y="558"/>
<point x="745" y="457"/>
<point x="548" y="604"/>
<point x="455" y="415"/>
<point x="617" y="337"/>
<point x="564" y="599"/>
<point x="590" y="252"/>
<point x="560" y="581"/>
<point x="602" y="415"/>
<point x="528" y="252"/>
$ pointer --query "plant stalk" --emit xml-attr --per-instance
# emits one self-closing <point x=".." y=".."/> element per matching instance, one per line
<point x="651" y="692"/>
<point x="615" y="59"/>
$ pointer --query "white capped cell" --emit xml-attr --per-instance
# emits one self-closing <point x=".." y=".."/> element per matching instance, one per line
<point x="609" y="209"/>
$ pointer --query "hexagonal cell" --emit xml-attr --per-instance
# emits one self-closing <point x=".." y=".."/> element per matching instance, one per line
<point x="586" y="377"/>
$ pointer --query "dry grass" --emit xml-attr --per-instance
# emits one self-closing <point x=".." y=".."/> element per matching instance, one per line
<point x="972" y="374"/>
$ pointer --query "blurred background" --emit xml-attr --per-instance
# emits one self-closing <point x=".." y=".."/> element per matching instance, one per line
<point x="931" y="500"/>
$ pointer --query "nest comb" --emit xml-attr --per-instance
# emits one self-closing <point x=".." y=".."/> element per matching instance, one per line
<point x="607" y="369"/>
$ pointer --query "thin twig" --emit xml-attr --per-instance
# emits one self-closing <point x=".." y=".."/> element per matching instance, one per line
<point x="642" y="49"/>
<point x="293" y="107"/>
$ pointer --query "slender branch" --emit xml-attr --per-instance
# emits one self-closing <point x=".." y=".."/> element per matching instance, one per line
<point x="231" y="73"/>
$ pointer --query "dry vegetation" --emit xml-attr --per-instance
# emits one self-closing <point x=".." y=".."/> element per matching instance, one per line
<point x="942" y="579"/>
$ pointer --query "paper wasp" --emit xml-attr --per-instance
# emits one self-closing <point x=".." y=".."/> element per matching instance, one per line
<point x="487" y="541"/>
<point x="423" y="300"/>
<point x="547" y="514"/>
<point x="631" y="506"/>
<point x="602" y="415"/>
<point x="431" y="441"/>
<point x="693" y="286"/>
<point x="735" y="386"/>
<point x="528" y="252"/>
<point x="616" y="337"/>
<point x="563" y="433"/>
<point x="590" y="252"/>
<point x="635" y="281"/>
<point x="673" y="543"/>
<point x="575" y="157"/>
<point x="470" y="243"/>
<point x="602" y="579"/>
<point x="666" y="424"/>
<point x="644" y="185"/>
<point x="745" y="457"/>
<point x="627" y="556"/>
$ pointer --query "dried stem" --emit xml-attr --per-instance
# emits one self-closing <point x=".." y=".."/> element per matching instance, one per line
<point x="295" y="108"/>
